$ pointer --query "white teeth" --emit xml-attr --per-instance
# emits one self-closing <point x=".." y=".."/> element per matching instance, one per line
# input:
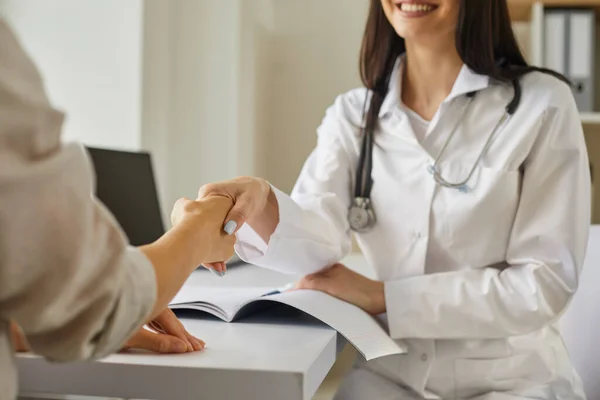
<point x="411" y="7"/>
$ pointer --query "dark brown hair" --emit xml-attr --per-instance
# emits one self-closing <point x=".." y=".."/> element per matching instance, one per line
<point x="484" y="40"/>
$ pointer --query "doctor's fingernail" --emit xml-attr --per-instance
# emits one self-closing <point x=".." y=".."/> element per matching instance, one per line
<point x="214" y="272"/>
<point x="221" y="273"/>
<point x="230" y="227"/>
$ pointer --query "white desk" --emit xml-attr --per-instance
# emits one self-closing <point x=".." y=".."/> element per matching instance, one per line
<point x="285" y="357"/>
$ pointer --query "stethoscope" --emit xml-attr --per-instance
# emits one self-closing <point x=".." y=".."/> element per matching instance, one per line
<point x="361" y="214"/>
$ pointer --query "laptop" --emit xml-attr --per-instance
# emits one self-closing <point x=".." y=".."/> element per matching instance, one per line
<point x="126" y="185"/>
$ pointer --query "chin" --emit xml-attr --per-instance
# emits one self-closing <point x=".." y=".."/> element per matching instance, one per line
<point x="416" y="19"/>
<point x="409" y="31"/>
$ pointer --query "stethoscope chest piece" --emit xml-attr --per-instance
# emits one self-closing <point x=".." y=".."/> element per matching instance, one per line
<point x="361" y="215"/>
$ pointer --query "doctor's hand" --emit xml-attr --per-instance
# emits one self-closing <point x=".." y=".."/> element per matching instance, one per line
<point x="249" y="196"/>
<point x="254" y="203"/>
<point x="347" y="285"/>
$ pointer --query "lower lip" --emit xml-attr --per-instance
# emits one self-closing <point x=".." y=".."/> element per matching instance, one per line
<point x="414" y="14"/>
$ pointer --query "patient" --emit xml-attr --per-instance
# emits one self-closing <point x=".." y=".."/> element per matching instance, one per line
<point x="69" y="282"/>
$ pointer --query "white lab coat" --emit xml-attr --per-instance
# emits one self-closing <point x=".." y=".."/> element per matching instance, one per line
<point x="475" y="282"/>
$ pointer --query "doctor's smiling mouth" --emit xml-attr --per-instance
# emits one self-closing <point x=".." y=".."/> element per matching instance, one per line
<point x="414" y="9"/>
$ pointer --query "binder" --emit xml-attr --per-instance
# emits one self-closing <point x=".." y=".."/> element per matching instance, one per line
<point x="581" y="57"/>
<point x="569" y="48"/>
<point x="555" y="24"/>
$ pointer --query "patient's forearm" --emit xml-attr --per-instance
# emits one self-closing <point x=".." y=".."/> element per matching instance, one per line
<point x="196" y="238"/>
<point x="172" y="262"/>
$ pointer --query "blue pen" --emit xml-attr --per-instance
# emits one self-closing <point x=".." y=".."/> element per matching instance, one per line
<point x="271" y="293"/>
<point x="279" y="291"/>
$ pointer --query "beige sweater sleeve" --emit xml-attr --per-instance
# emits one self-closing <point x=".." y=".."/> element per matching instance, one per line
<point x="67" y="276"/>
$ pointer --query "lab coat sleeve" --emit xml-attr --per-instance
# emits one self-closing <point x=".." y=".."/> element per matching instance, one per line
<point x="544" y="257"/>
<point x="67" y="276"/>
<point x="313" y="231"/>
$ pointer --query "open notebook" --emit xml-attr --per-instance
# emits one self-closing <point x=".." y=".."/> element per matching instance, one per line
<point x="362" y="330"/>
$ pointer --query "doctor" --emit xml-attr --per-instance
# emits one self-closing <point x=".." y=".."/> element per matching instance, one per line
<point x="467" y="184"/>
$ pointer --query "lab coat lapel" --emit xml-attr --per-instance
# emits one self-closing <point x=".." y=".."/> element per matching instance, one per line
<point x="453" y="110"/>
<point x="466" y="82"/>
<point x="394" y="112"/>
<point x="441" y="124"/>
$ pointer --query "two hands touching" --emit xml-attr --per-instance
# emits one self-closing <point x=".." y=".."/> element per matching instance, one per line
<point x="209" y="223"/>
<point x="256" y="204"/>
<point x="203" y="233"/>
<point x="247" y="199"/>
<point x="197" y="237"/>
<point x="251" y="200"/>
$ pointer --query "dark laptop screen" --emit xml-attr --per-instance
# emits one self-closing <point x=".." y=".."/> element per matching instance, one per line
<point x="125" y="184"/>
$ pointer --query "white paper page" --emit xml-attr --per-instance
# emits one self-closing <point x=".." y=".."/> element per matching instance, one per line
<point x="229" y="300"/>
<point x="357" y="326"/>
<point x="203" y="307"/>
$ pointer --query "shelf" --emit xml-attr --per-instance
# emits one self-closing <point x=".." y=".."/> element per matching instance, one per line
<point x="520" y="10"/>
<point x="590" y="118"/>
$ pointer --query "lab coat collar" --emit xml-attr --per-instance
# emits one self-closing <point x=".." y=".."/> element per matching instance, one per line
<point x="467" y="81"/>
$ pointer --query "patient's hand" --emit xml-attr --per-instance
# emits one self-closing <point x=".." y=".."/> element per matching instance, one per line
<point x="202" y="221"/>
<point x="19" y="343"/>
<point x="165" y="334"/>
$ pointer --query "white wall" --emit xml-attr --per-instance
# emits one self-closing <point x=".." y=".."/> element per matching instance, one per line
<point x="90" y="55"/>
<point x="204" y="93"/>
<point x="315" y="49"/>
<point x="255" y="69"/>
<point x="247" y="83"/>
<point x="204" y="64"/>
<point x="213" y="89"/>
<point x="156" y="92"/>
<point x="183" y="79"/>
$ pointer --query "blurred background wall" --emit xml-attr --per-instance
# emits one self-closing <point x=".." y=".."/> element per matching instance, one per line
<point x="213" y="88"/>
